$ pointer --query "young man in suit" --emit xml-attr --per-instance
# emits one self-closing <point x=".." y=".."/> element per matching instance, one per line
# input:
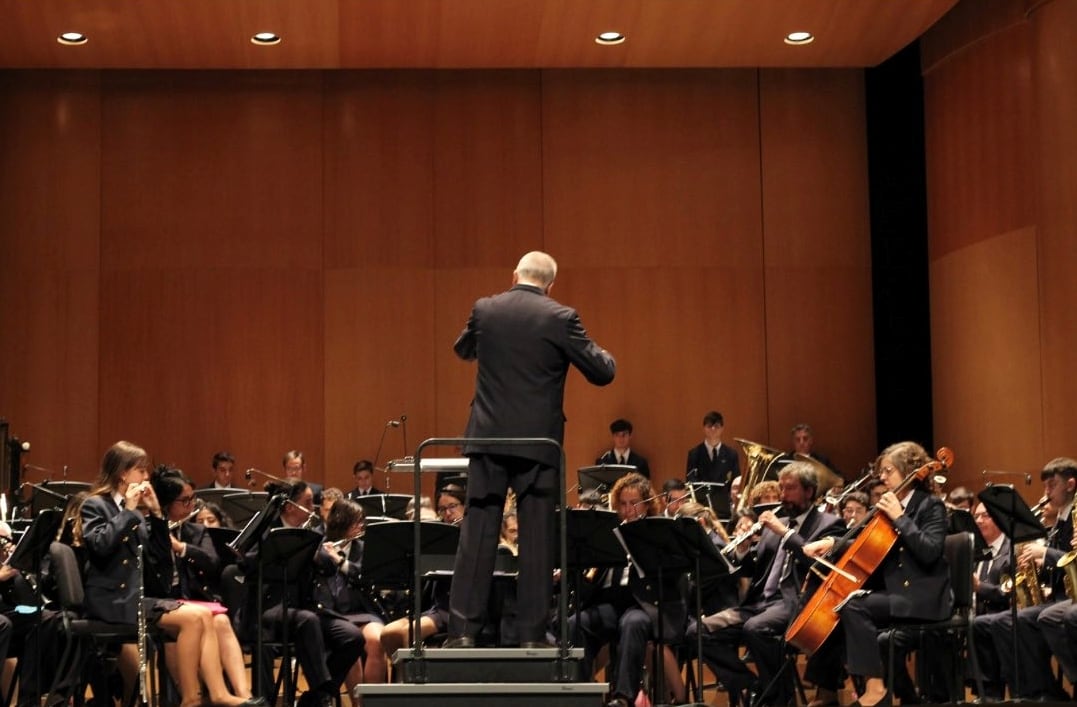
<point x="363" y="472"/>
<point x="524" y="343"/>
<point x="622" y="453"/>
<point x="714" y="462"/>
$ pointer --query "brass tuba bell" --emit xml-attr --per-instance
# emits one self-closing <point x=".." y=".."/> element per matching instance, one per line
<point x="760" y="468"/>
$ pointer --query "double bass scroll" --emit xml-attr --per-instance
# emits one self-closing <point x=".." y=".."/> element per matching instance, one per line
<point x="875" y="535"/>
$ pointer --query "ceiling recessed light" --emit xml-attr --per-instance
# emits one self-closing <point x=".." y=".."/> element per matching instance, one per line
<point x="797" y="38"/>
<point x="265" y="39"/>
<point x="72" y="39"/>
<point x="609" y="38"/>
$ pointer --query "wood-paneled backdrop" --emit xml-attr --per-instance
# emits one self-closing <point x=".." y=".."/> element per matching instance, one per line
<point x="1000" y="107"/>
<point x="260" y="261"/>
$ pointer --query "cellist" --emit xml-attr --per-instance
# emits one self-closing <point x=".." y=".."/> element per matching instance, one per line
<point x="911" y="583"/>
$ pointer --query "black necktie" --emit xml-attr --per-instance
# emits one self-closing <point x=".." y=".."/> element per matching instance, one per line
<point x="714" y="454"/>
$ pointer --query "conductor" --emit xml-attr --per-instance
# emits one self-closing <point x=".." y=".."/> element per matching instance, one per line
<point x="523" y="342"/>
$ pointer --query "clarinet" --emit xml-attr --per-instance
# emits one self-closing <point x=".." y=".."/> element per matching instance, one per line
<point x="142" y="646"/>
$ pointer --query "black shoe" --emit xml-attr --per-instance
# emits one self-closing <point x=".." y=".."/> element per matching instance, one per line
<point x="459" y="642"/>
<point x="316" y="698"/>
<point x="254" y="702"/>
<point x="617" y="701"/>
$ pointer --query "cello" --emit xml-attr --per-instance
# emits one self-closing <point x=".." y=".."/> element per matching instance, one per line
<point x="875" y="536"/>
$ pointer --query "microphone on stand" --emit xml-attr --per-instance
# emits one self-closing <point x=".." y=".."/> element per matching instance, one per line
<point x="381" y="442"/>
<point x="404" y="432"/>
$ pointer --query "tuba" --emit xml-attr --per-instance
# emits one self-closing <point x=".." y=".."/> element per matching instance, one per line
<point x="828" y="478"/>
<point x="760" y="462"/>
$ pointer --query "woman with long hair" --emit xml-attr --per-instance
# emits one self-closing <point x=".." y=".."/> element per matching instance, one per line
<point x="121" y="518"/>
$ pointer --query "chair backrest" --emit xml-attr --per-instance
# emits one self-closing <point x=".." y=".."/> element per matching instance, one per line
<point x="68" y="576"/>
<point x="959" y="553"/>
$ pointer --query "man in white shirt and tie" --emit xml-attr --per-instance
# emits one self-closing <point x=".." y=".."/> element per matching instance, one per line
<point x="621" y="430"/>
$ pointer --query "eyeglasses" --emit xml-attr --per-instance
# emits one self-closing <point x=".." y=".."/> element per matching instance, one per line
<point x="185" y="500"/>
<point x="448" y="508"/>
<point x="888" y="470"/>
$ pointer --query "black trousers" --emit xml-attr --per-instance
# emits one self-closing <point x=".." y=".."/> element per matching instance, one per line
<point x="489" y="478"/>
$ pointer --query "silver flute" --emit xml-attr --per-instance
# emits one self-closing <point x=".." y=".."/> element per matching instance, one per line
<point x="142" y="645"/>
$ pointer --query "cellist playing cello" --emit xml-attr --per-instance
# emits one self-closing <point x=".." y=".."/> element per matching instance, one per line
<point x="912" y="582"/>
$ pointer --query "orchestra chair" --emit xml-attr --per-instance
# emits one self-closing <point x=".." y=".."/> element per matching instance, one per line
<point x="960" y="554"/>
<point x="83" y="633"/>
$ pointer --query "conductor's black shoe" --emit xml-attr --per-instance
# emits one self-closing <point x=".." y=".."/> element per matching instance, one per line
<point x="459" y="642"/>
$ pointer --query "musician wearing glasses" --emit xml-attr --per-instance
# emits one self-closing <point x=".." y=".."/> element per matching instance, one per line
<point x="778" y="566"/>
<point x="121" y="513"/>
<point x="294" y="464"/>
<point x="339" y="590"/>
<point x="912" y="581"/>
<point x="451" y="506"/>
<point x="198" y="569"/>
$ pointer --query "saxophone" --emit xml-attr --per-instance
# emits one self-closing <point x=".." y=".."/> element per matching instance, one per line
<point x="1066" y="562"/>
<point x="1025" y="583"/>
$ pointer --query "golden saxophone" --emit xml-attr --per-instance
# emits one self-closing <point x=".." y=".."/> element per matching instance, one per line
<point x="1025" y="583"/>
<point x="1066" y="562"/>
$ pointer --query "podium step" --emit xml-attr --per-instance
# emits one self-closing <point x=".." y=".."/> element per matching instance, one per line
<point x="488" y="665"/>
<point x="486" y="694"/>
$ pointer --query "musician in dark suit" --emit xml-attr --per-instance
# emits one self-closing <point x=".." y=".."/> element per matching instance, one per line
<point x="1058" y="623"/>
<point x="778" y="567"/>
<point x="524" y="343"/>
<point x="121" y="513"/>
<point x="340" y="591"/>
<point x="363" y="473"/>
<point x="622" y="452"/>
<point x="624" y="607"/>
<point x="712" y="461"/>
<point x="990" y="599"/>
<point x="326" y="646"/>
<point x="912" y="581"/>
<point x="222" y="471"/>
<point x="1033" y="650"/>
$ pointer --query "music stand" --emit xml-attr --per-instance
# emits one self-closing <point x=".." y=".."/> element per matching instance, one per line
<point x="655" y="548"/>
<point x="601" y="477"/>
<point x="1016" y="520"/>
<point x="284" y="556"/>
<point x="258" y="524"/>
<point x="392" y="505"/>
<point x="710" y="567"/>
<point x="215" y="495"/>
<point x="714" y="495"/>
<point x="222" y="539"/>
<point x="54" y="494"/>
<point x="241" y="506"/>
<point x="35" y="541"/>
<point x="389" y="551"/>
<point x="590" y="544"/>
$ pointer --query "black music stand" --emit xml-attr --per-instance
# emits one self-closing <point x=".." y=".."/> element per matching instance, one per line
<point x="215" y="495"/>
<point x="392" y="505"/>
<point x="591" y="544"/>
<point x="54" y="494"/>
<point x="241" y="506"/>
<point x="601" y="477"/>
<point x="1017" y="521"/>
<point x="258" y="525"/>
<point x="285" y="556"/>
<point x="389" y="551"/>
<point x="710" y="567"/>
<point x="222" y="539"/>
<point x="656" y="548"/>
<point x="714" y="495"/>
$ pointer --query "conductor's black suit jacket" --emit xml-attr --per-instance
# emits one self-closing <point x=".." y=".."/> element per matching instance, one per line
<point x="524" y="343"/>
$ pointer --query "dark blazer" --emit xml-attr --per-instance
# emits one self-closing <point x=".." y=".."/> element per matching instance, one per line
<point x="1058" y="544"/>
<point x="200" y="567"/>
<point x="816" y="525"/>
<point x="636" y="460"/>
<point x="112" y="537"/>
<point x="342" y="593"/>
<point x="524" y="343"/>
<point x="722" y="471"/>
<point x="915" y="572"/>
<point x="989" y="598"/>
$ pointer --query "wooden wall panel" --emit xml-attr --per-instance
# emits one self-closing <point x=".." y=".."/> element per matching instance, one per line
<point x="652" y="169"/>
<point x="1056" y="103"/>
<point x="379" y="169"/>
<point x="212" y="170"/>
<point x="988" y="404"/>
<point x="193" y="362"/>
<point x="978" y="106"/>
<point x="487" y="168"/>
<point x="50" y="124"/>
<point x="817" y="250"/>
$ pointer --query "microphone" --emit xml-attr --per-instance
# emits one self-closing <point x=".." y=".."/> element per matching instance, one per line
<point x="693" y="473"/>
<point x="393" y="423"/>
<point x="404" y="431"/>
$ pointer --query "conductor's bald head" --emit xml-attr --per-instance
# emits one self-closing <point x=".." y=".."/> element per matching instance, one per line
<point x="535" y="268"/>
